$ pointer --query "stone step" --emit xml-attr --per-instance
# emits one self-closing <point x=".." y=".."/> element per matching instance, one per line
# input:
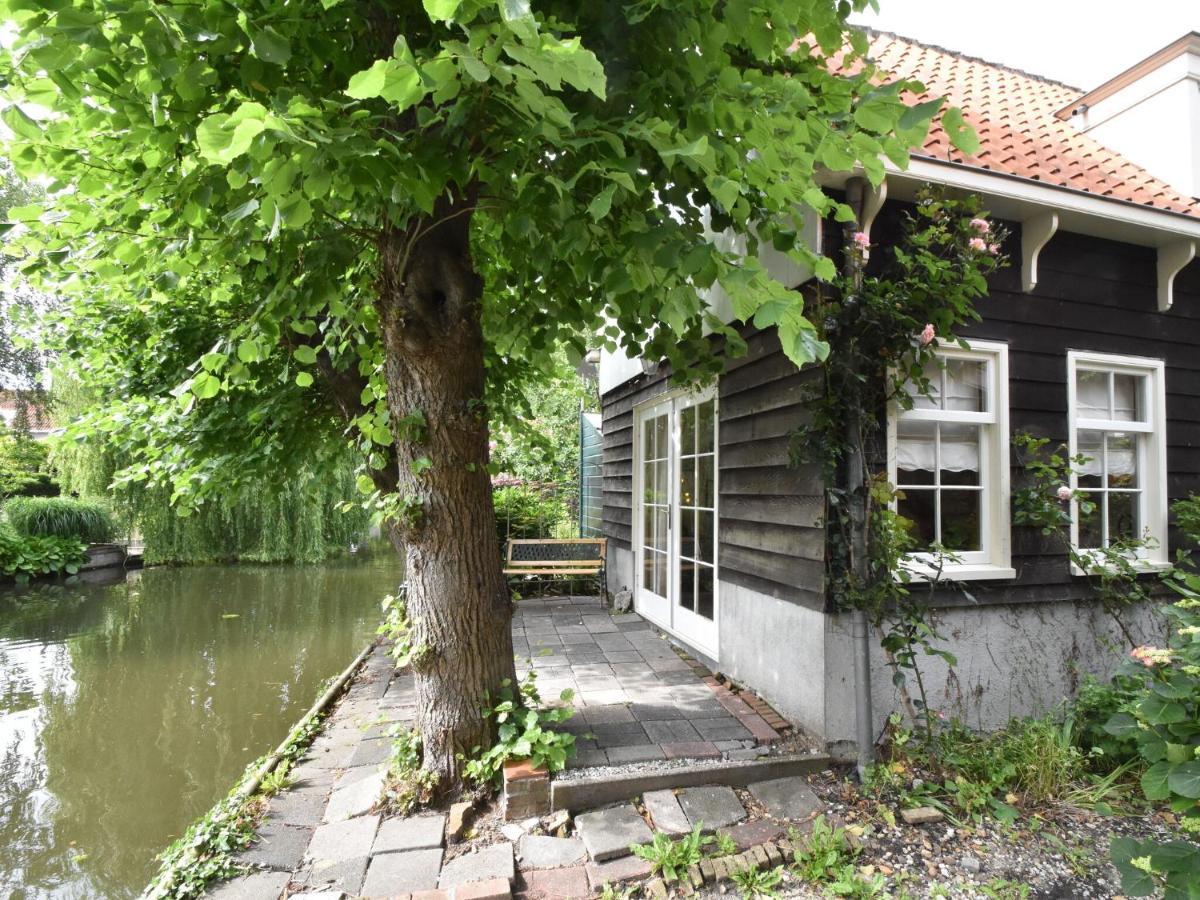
<point x="575" y="794"/>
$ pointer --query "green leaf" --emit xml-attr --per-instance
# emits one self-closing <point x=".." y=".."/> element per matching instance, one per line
<point x="601" y="203"/>
<point x="270" y="46"/>
<point x="691" y="150"/>
<point x="393" y="80"/>
<point x="1161" y="710"/>
<point x="441" y="10"/>
<point x="249" y="208"/>
<point x="920" y="115"/>
<point x="248" y="351"/>
<point x="305" y="354"/>
<point x="961" y="134"/>
<point x="724" y="190"/>
<point x="222" y="138"/>
<point x="304" y="379"/>
<point x="1184" y="779"/>
<point x="21" y="124"/>
<point x="206" y="386"/>
<point x="1155" y="781"/>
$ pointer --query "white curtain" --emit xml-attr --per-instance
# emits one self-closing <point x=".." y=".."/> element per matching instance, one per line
<point x="960" y="452"/>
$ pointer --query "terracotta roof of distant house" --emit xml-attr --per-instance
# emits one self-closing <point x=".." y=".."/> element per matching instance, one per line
<point x="1013" y="113"/>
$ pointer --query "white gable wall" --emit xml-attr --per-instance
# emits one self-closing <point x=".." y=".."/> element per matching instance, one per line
<point x="616" y="367"/>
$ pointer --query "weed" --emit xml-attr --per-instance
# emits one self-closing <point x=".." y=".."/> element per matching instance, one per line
<point x="522" y="732"/>
<point x="620" y="892"/>
<point x="754" y="883"/>
<point x="723" y="845"/>
<point x="672" y="858"/>
<point x="278" y="779"/>
<point x="1002" y="889"/>
<point x="849" y="882"/>
<point x="823" y="853"/>
<point x="408" y="786"/>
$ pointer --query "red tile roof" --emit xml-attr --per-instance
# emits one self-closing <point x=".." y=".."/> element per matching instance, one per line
<point x="1013" y="114"/>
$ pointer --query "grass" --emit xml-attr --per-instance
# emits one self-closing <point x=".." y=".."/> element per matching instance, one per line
<point x="60" y="517"/>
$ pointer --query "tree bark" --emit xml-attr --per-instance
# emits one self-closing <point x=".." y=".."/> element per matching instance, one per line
<point x="429" y="302"/>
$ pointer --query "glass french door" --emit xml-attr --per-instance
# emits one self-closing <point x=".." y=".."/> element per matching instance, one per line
<point x="676" y="517"/>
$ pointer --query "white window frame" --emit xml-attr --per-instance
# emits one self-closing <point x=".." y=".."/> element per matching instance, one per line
<point x="1152" y="450"/>
<point x="994" y="560"/>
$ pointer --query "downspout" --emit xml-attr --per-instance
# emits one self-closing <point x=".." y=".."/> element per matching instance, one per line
<point x="860" y="634"/>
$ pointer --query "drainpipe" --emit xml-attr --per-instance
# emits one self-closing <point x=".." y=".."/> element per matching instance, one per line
<point x="863" y="715"/>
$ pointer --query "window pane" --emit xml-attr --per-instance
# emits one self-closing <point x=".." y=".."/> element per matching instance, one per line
<point x="687" y="481"/>
<point x="966" y="386"/>
<point x="704" y="535"/>
<point x="704" y="481"/>
<point x="1091" y="394"/>
<point x="960" y="520"/>
<point x="647" y="526"/>
<point x="933" y="372"/>
<point x="687" y="532"/>
<point x="1091" y="524"/>
<point x="660" y="528"/>
<point x="918" y="508"/>
<point x="1120" y="457"/>
<point x="687" y="431"/>
<point x="959" y="457"/>
<point x="1090" y="444"/>
<point x="648" y="572"/>
<point x="915" y="449"/>
<point x="660" y="574"/>
<point x="1127" y="398"/>
<point x="704" y="592"/>
<point x="705" y="425"/>
<point x="660" y="437"/>
<point x="1123" y="516"/>
<point x="687" y="585"/>
<point x="647" y="439"/>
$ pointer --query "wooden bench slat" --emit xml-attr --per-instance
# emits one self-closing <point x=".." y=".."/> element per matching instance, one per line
<point x="595" y="571"/>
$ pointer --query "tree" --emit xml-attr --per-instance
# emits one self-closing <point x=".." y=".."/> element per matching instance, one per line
<point x="397" y="211"/>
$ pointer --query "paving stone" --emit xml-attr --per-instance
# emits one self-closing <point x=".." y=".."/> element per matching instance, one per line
<point x="371" y="753"/>
<point x="633" y="739"/>
<point x="492" y="889"/>
<point x="711" y="805"/>
<point x="586" y="758"/>
<point x="298" y="806"/>
<point x="618" y="756"/>
<point x="278" y="846"/>
<point x="922" y="815"/>
<point x="671" y="731"/>
<point x="555" y="884"/>
<point x="607" y="833"/>
<point x="355" y="799"/>
<point x="721" y="729"/>
<point x="616" y="871"/>
<point x="541" y="852"/>
<point x="495" y="861"/>
<point x="343" y="840"/>
<point x="749" y="834"/>
<point x="607" y="715"/>
<point x="259" y="886"/>
<point x="787" y="798"/>
<point x="390" y="874"/>
<point x="319" y="895"/>
<point x="346" y="875"/>
<point x="665" y="812"/>
<point x="412" y="833"/>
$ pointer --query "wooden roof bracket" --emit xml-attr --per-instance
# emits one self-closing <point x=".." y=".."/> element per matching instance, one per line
<point x="868" y="203"/>
<point x="1171" y="260"/>
<point x="1036" y="232"/>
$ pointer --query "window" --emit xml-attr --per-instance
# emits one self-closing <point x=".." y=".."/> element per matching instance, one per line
<point x="949" y="461"/>
<point x="1117" y="421"/>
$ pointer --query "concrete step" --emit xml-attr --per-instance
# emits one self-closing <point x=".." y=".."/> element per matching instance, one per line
<point x="579" y="794"/>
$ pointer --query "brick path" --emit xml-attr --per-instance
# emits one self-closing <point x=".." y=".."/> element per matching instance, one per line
<point x="638" y="699"/>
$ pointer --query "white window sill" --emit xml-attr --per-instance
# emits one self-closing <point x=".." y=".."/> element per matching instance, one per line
<point x="1140" y="565"/>
<point x="960" y="572"/>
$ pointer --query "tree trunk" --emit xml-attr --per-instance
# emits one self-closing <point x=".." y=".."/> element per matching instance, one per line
<point x="429" y="304"/>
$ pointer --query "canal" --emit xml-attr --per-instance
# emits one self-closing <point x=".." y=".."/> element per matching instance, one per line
<point x="127" y="709"/>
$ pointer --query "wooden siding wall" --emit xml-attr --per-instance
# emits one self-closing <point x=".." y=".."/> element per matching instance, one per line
<point x="1096" y="295"/>
<point x="770" y="537"/>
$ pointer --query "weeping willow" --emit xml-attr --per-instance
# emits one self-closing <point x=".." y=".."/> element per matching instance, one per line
<point x="303" y="518"/>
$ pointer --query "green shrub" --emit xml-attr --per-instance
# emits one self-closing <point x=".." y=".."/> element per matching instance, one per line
<point x="62" y="517"/>
<point x="1094" y="705"/>
<point x="524" y="511"/>
<point x="24" y="557"/>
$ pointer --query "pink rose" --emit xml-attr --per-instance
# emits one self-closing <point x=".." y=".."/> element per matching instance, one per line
<point x="861" y="240"/>
<point x="928" y="333"/>
<point x="979" y="245"/>
<point x="993" y="249"/>
<point x="981" y="225"/>
<point x="1064" y="493"/>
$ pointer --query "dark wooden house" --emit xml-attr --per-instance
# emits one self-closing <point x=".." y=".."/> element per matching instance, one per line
<point x="1091" y="338"/>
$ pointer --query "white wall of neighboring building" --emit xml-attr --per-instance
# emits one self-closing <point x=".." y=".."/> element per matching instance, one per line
<point x="1155" y="121"/>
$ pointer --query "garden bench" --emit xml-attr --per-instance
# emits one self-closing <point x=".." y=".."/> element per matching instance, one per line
<point x="557" y="558"/>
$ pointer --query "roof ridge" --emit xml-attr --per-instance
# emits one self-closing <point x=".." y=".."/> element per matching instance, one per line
<point x="877" y="32"/>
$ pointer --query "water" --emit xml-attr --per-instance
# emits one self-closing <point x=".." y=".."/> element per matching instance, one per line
<point x="128" y="709"/>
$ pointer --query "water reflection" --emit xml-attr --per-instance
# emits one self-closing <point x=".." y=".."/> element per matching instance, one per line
<point x="127" y="709"/>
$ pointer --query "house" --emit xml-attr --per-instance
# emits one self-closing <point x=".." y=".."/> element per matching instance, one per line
<point x="1091" y="338"/>
<point x="15" y="404"/>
